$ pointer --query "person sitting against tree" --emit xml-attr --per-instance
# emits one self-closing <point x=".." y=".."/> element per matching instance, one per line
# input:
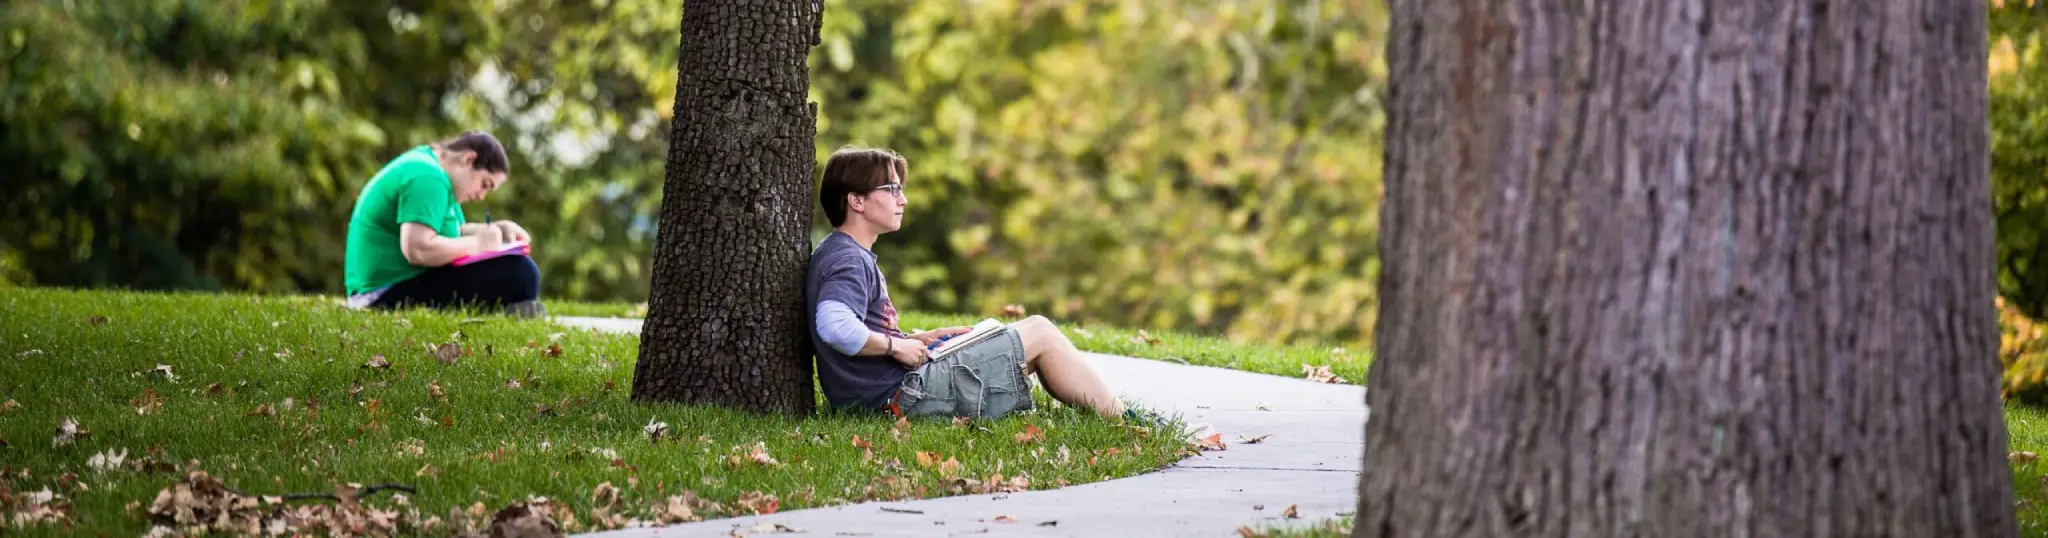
<point x="866" y="362"/>
<point x="408" y="230"/>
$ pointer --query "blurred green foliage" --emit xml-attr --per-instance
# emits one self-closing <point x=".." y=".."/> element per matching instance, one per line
<point x="1152" y="163"/>
<point x="2019" y="152"/>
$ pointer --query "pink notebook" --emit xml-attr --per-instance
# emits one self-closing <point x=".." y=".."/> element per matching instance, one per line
<point x="508" y="250"/>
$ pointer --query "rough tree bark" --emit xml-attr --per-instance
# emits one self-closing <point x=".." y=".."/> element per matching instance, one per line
<point x="1686" y="268"/>
<point x="725" y="321"/>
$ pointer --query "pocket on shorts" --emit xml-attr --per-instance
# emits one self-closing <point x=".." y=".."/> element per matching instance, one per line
<point x="927" y="395"/>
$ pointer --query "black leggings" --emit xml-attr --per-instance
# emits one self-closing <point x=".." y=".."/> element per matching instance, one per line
<point x="492" y="283"/>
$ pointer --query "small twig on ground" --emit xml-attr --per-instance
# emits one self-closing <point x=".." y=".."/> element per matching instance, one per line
<point x="901" y="510"/>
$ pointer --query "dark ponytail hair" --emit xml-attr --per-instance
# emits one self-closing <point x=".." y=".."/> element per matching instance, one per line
<point x="490" y="155"/>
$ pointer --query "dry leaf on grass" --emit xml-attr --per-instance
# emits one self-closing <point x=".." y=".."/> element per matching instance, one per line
<point x="68" y="431"/>
<point x="377" y="361"/>
<point x="859" y="442"/>
<point x="9" y="406"/>
<point x="108" y="460"/>
<point x="526" y="519"/>
<point x="1031" y="434"/>
<point x="554" y="350"/>
<point x="36" y="508"/>
<point x="434" y="390"/>
<point x="1322" y="374"/>
<point x="2023" y="457"/>
<point x="97" y="320"/>
<point x="655" y="430"/>
<point x="605" y="495"/>
<point x="1012" y="311"/>
<point x="512" y="384"/>
<point x="448" y="353"/>
<point x="148" y="402"/>
<point x="758" y="455"/>
<point x="758" y="503"/>
<point x="1146" y="338"/>
<point x="165" y="371"/>
<point x="901" y="428"/>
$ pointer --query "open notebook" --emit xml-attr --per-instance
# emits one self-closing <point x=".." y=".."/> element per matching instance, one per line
<point x="508" y="250"/>
<point x="984" y="330"/>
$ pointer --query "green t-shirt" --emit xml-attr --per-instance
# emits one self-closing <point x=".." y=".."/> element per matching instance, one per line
<point x="411" y="188"/>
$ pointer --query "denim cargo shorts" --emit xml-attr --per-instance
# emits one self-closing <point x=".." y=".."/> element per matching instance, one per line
<point x="982" y="380"/>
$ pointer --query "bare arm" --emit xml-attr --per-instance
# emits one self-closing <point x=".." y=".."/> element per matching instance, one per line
<point x="426" y="248"/>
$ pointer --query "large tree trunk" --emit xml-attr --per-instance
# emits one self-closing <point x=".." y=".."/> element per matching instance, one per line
<point x="1686" y="268"/>
<point x="725" y="322"/>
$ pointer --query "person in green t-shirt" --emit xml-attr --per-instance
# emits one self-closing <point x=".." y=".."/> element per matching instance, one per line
<point x="408" y="230"/>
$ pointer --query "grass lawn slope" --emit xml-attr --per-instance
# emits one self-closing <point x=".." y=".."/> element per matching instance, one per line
<point x="108" y="400"/>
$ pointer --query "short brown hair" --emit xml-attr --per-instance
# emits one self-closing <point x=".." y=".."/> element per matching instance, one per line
<point x="490" y="155"/>
<point x="853" y="170"/>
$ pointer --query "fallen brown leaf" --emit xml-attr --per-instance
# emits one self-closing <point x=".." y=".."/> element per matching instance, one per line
<point x="512" y="384"/>
<point x="262" y="410"/>
<point x="1322" y="374"/>
<point x="927" y="459"/>
<point x="9" y="406"/>
<point x="1290" y="513"/>
<point x="1031" y="434"/>
<point x="675" y="511"/>
<point x="97" y="320"/>
<point x="950" y="467"/>
<point x="526" y="519"/>
<point x="1147" y="338"/>
<point x="1005" y="519"/>
<point x="434" y="390"/>
<point x="214" y="389"/>
<point x="1254" y="440"/>
<point x="427" y="470"/>
<point x="554" y="350"/>
<point x="901" y="428"/>
<point x="148" y="402"/>
<point x="1248" y="532"/>
<point x="1212" y="442"/>
<point x="2022" y="457"/>
<point x="859" y="442"/>
<point x="758" y="503"/>
<point x="609" y="386"/>
<point x="604" y="494"/>
<point x="448" y="353"/>
<point x="377" y="361"/>
<point x="1012" y="311"/>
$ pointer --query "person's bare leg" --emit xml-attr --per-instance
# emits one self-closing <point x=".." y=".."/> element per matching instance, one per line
<point x="1061" y="367"/>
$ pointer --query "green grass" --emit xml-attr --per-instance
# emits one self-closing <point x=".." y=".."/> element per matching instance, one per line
<point x="1328" y="528"/>
<point x="93" y="356"/>
<point x="1201" y="350"/>
<point x="2027" y="431"/>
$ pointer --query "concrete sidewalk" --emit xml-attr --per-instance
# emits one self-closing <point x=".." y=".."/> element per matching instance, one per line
<point x="1311" y="460"/>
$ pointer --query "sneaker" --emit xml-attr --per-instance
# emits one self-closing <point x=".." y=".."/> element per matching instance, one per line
<point x="527" y="309"/>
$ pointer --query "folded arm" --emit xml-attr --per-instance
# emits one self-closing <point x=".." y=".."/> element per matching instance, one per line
<point x="425" y="247"/>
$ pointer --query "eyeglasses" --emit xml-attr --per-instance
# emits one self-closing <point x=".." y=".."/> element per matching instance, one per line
<point x="895" y="189"/>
